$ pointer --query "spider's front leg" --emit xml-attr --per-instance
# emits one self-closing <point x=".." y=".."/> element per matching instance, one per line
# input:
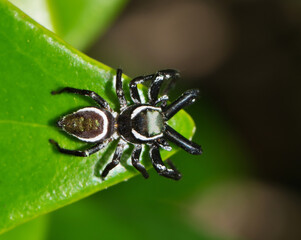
<point x="186" y="99"/>
<point x="159" y="166"/>
<point x="79" y="153"/>
<point x="133" y="86"/>
<point x="157" y="80"/>
<point x="163" y="75"/>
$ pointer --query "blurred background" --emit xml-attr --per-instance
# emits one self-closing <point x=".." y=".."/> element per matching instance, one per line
<point x="245" y="57"/>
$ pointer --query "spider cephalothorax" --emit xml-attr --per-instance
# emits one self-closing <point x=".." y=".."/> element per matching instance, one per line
<point x="137" y="124"/>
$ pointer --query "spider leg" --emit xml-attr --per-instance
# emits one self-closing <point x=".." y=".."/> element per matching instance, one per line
<point x="171" y="84"/>
<point x="186" y="99"/>
<point x="119" y="90"/>
<point x="162" y="75"/>
<point x="133" y="86"/>
<point x="162" y="101"/>
<point x="80" y="153"/>
<point x="172" y="166"/>
<point x="164" y="144"/>
<point x="160" y="167"/>
<point x="172" y="135"/>
<point x="135" y="161"/>
<point x="157" y="80"/>
<point x="98" y="99"/>
<point x="116" y="159"/>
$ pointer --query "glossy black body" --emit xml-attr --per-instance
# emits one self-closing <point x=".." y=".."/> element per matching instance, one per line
<point x="137" y="124"/>
<point x="125" y="124"/>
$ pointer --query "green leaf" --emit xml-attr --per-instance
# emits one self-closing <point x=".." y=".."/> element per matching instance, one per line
<point x="34" y="177"/>
<point x="161" y="209"/>
<point x="36" y="229"/>
<point x="78" y="22"/>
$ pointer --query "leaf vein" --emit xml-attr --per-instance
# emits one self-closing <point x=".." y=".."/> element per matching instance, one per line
<point x="23" y="123"/>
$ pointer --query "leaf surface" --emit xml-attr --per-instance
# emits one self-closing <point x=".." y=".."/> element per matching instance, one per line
<point x="78" y="22"/>
<point x="34" y="177"/>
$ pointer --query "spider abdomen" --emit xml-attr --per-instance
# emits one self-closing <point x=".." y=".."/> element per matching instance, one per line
<point x="88" y="124"/>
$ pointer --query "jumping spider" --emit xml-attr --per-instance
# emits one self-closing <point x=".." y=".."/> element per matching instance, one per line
<point x="137" y="124"/>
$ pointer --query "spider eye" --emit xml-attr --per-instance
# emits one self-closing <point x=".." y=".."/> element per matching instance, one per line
<point x="148" y="123"/>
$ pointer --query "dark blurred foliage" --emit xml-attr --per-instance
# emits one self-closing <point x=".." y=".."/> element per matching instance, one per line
<point x="243" y="55"/>
<point x="258" y="87"/>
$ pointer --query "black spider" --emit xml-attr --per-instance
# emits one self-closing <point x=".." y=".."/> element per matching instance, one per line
<point x="139" y="123"/>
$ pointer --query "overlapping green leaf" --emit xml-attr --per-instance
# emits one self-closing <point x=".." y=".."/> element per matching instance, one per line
<point x="34" y="177"/>
<point x="78" y="22"/>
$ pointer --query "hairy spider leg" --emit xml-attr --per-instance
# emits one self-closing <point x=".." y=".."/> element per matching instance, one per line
<point x="79" y="153"/>
<point x="98" y="99"/>
<point x="153" y="92"/>
<point x="159" y="166"/>
<point x="116" y="158"/>
<point x="173" y="136"/>
<point x="135" y="161"/>
<point x="119" y="90"/>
